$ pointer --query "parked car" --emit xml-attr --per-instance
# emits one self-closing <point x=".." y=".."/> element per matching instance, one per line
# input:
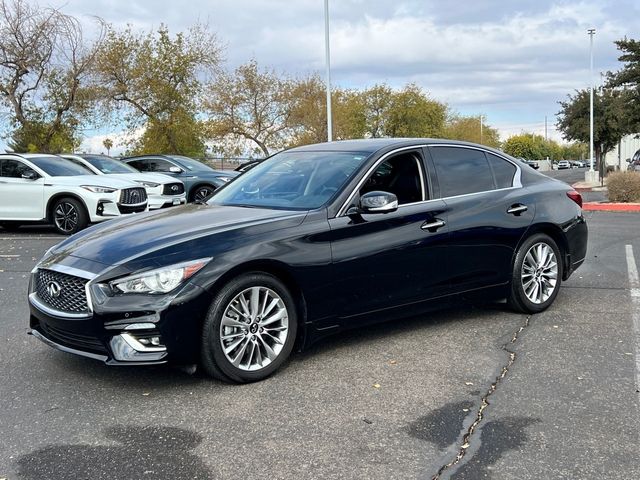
<point x="578" y="164"/>
<point x="533" y="164"/>
<point x="634" y="162"/>
<point x="162" y="190"/>
<point x="311" y="241"/>
<point x="200" y="180"/>
<point x="39" y="188"/>
<point x="564" y="164"/>
<point x="247" y="166"/>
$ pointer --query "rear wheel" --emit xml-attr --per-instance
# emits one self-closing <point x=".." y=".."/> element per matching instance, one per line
<point x="537" y="274"/>
<point x="10" y="226"/>
<point x="69" y="216"/>
<point x="250" y="329"/>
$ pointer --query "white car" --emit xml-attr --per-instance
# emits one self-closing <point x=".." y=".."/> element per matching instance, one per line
<point x="564" y="164"/>
<point x="37" y="188"/>
<point x="162" y="190"/>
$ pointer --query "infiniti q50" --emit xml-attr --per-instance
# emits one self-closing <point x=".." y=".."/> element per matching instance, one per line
<point x="307" y="243"/>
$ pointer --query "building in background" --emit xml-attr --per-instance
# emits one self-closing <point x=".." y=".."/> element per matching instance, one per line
<point x="626" y="148"/>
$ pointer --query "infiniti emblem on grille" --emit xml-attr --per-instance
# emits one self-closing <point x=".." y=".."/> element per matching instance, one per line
<point x="175" y="188"/>
<point x="134" y="195"/>
<point x="54" y="289"/>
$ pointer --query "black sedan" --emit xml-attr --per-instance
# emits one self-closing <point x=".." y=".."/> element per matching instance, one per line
<point x="311" y="241"/>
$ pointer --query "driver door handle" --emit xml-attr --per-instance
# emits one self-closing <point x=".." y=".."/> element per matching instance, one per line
<point x="517" y="209"/>
<point x="433" y="225"/>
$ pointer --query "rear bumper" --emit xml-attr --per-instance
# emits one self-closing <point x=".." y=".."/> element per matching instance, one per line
<point x="577" y="235"/>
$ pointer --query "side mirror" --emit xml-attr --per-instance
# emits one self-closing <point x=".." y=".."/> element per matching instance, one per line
<point x="175" y="169"/>
<point x="378" y="202"/>
<point x="30" y="175"/>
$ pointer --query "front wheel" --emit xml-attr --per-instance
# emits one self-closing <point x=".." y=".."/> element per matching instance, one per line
<point x="69" y="216"/>
<point x="202" y="193"/>
<point x="250" y="329"/>
<point x="537" y="274"/>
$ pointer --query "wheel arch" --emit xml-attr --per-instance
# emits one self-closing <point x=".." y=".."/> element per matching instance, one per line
<point x="54" y="198"/>
<point x="282" y="272"/>
<point x="558" y="236"/>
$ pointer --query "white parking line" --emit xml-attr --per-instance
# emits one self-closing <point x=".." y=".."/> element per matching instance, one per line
<point x="634" y="284"/>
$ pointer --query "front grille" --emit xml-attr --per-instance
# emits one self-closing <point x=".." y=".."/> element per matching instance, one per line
<point x="128" y="209"/>
<point x="72" y="339"/>
<point x="173" y="189"/>
<point x="133" y="196"/>
<point x="61" y="291"/>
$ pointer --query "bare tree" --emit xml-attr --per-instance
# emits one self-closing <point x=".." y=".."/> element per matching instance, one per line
<point x="45" y="63"/>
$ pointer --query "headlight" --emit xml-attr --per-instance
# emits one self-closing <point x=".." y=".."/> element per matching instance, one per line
<point x="162" y="280"/>
<point x="98" y="189"/>
<point x="149" y="184"/>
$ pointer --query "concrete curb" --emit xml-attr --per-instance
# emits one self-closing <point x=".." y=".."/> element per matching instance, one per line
<point x="610" y="207"/>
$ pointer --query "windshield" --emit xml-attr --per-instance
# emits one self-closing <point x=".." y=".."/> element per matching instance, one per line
<point x="190" y="164"/>
<point x="108" y="164"/>
<point x="59" y="167"/>
<point x="291" y="180"/>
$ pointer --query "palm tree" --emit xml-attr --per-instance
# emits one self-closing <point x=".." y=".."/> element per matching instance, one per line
<point x="108" y="144"/>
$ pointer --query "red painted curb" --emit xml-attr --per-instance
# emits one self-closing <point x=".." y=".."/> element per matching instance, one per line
<point x="610" y="207"/>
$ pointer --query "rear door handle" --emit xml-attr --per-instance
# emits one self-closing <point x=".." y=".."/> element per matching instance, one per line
<point x="517" y="209"/>
<point x="433" y="225"/>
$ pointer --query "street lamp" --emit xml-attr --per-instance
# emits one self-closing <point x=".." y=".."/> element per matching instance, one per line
<point x="328" y="67"/>
<point x="591" y="33"/>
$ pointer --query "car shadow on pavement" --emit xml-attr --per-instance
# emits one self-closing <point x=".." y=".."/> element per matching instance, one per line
<point x="130" y="452"/>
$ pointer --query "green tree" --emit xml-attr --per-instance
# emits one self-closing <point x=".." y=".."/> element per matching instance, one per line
<point x="45" y="75"/>
<point x="156" y="80"/>
<point x="413" y="114"/>
<point x="469" y="129"/>
<point x="628" y="78"/>
<point x="611" y="119"/>
<point x="528" y="146"/>
<point x="108" y="144"/>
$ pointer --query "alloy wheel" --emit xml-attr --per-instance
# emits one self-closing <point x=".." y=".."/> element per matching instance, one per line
<point x="202" y="194"/>
<point x="65" y="217"/>
<point x="539" y="273"/>
<point x="254" y="328"/>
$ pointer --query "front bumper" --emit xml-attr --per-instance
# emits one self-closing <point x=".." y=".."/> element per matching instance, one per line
<point x="165" y="201"/>
<point x="123" y="330"/>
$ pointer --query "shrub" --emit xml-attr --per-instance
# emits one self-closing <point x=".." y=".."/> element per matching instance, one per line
<point x="624" y="187"/>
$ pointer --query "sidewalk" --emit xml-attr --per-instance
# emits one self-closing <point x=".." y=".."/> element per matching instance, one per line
<point x="595" y="199"/>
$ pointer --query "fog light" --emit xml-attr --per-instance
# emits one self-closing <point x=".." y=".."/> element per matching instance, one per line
<point x="127" y="348"/>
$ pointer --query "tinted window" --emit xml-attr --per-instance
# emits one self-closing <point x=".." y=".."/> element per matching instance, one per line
<point x="291" y="180"/>
<point x="503" y="171"/>
<point x="80" y="164"/>
<point x="109" y="165"/>
<point x="140" y="165"/>
<point x="59" y="167"/>
<point x="190" y="164"/>
<point x="461" y="170"/>
<point x="158" y="165"/>
<point x="399" y="175"/>
<point x="13" y="169"/>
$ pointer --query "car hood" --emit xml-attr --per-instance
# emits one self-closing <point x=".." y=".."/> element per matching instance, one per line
<point x="95" y="180"/>
<point x="145" y="177"/>
<point x="119" y="241"/>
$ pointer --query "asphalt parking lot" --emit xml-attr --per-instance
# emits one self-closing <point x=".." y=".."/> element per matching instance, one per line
<point x="473" y="392"/>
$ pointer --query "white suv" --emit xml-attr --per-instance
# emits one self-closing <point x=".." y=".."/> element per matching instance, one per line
<point x="36" y="188"/>
<point x="162" y="190"/>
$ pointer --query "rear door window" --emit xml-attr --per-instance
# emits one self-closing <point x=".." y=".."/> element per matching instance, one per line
<point x="461" y="171"/>
<point x="140" y="164"/>
<point x="503" y="170"/>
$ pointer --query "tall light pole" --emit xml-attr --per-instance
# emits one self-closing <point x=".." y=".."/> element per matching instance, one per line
<point x="328" y="66"/>
<point x="591" y="33"/>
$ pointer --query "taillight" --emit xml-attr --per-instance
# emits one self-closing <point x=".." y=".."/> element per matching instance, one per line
<point x="575" y="196"/>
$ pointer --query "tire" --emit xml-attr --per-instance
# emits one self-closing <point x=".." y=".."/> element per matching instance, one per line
<point x="69" y="216"/>
<point x="201" y="192"/>
<point x="244" y="335"/>
<point x="10" y="226"/>
<point x="534" y="287"/>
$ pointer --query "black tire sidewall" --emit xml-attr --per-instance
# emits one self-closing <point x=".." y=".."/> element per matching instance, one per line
<point x="213" y="358"/>
<point x="197" y="188"/>
<point x="83" y="217"/>
<point x="518" y="298"/>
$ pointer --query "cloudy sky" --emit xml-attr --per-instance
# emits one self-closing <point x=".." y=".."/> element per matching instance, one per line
<point x="509" y="60"/>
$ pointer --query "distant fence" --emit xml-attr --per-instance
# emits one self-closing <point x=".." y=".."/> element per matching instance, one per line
<point x="225" y="163"/>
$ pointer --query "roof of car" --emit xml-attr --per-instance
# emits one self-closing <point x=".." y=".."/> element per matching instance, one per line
<point x="28" y="155"/>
